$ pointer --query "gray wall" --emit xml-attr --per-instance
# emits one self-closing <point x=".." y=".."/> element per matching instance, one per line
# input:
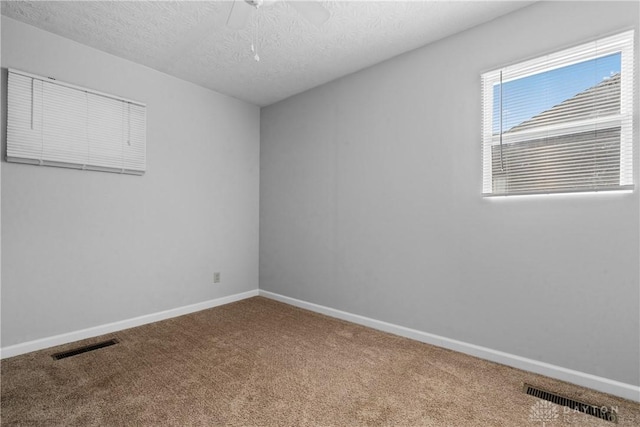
<point x="371" y="203"/>
<point x="81" y="249"/>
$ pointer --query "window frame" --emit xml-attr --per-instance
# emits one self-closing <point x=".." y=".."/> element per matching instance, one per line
<point x="53" y="123"/>
<point x="622" y="43"/>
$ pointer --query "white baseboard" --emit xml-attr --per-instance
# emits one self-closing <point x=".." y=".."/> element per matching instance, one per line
<point x="17" y="349"/>
<point x="605" y="385"/>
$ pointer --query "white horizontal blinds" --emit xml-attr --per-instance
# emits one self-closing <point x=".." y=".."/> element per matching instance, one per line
<point x="53" y="123"/>
<point x="135" y="146"/>
<point x="106" y="125"/>
<point x="24" y="118"/>
<point x="561" y="123"/>
<point x="64" y="125"/>
<point x="627" y="90"/>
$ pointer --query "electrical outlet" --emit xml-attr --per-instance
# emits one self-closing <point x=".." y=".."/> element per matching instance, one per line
<point x="216" y="277"/>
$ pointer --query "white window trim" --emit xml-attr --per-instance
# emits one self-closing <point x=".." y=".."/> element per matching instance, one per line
<point x="91" y="143"/>
<point x="620" y="43"/>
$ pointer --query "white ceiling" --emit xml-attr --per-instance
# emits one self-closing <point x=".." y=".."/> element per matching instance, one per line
<point x="191" y="40"/>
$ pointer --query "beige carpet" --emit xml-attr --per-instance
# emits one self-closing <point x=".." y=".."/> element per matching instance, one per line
<point x="258" y="362"/>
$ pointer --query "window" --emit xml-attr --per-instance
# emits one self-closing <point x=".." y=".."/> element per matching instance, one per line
<point x="562" y="122"/>
<point x="57" y="124"/>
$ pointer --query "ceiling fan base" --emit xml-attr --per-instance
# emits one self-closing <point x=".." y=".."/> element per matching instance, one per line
<point x="254" y="3"/>
<point x="312" y="10"/>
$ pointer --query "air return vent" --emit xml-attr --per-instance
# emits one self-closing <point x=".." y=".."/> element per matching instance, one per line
<point x="84" y="349"/>
<point x="602" y="412"/>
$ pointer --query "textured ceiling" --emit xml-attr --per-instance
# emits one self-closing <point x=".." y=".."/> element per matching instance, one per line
<point x="191" y="40"/>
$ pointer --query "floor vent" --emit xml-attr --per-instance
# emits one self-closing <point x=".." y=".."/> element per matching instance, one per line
<point x="80" y="350"/>
<point x="601" y="412"/>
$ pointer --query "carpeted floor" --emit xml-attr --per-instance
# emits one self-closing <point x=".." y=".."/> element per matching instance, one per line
<point x="258" y="362"/>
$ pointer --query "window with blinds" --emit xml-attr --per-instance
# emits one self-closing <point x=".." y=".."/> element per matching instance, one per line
<point x="57" y="124"/>
<point x="561" y="123"/>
